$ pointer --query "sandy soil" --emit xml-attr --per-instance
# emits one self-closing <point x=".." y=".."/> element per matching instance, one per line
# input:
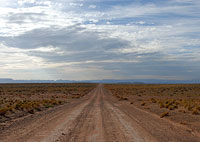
<point x="97" y="117"/>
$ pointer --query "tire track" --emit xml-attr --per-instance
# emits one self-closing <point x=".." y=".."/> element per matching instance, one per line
<point x="87" y="126"/>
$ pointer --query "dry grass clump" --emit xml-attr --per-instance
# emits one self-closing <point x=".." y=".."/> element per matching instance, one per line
<point x="123" y="99"/>
<point x="164" y="114"/>
<point x="126" y="99"/>
<point x="153" y="100"/>
<point x="195" y="111"/>
<point x="3" y="111"/>
<point x="169" y="104"/>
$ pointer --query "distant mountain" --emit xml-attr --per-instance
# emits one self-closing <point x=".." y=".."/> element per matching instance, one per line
<point x="130" y="81"/>
<point x="6" y="80"/>
<point x="147" y="81"/>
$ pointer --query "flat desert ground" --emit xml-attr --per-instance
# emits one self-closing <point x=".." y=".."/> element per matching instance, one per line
<point x="105" y="113"/>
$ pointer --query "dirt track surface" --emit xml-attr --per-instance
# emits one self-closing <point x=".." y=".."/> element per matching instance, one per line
<point x="97" y="117"/>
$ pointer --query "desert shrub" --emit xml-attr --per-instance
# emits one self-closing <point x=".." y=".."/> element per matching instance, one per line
<point x="171" y="107"/>
<point x="195" y="111"/>
<point x="153" y="100"/>
<point x="198" y="108"/>
<point x="60" y="102"/>
<point x="125" y="99"/>
<point x="3" y="111"/>
<point x="143" y="104"/>
<point x="31" y="111"/>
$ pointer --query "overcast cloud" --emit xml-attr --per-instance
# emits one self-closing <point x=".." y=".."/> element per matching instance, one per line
<point x="99" y="39"/>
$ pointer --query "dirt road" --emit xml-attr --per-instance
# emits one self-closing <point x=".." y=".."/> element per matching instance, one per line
<point x="97" y="117"/>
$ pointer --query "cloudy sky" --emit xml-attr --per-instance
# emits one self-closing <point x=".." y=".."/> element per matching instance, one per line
<point x="100" y="39"/>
